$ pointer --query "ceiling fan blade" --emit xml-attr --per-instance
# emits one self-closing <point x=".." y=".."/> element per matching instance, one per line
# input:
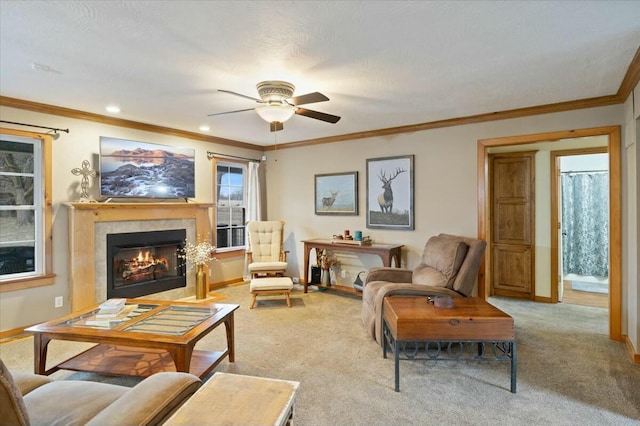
<point x="276" y="126"/>
<point x="318" y="115"/>
<point x="241" y="95"/>
<point x="230" y="112"/>
<point x="309" y="98"/>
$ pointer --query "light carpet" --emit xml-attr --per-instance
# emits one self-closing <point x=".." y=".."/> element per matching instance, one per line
<point x="569" y="371"/>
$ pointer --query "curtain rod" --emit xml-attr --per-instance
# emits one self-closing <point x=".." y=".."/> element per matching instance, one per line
<point x="585" y="171"/>
<point x="33" y="125"/>
<point x="211" y="154"/>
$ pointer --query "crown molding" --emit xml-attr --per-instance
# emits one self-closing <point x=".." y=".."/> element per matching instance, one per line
<point x="112" y="121"/>
<point x="631" y="78"/>
<point x="479" y="118"/>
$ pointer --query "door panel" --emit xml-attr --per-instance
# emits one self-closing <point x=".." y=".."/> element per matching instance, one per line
<point x="512" y="270"/>
<point x="512" y="212"/>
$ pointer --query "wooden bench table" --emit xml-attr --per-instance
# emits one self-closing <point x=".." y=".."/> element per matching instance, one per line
<point x="233" y="399"/>
<point x="416" y="329"/>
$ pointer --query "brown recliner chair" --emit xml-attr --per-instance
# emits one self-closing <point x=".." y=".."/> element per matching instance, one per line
<point x="449" y="267"/>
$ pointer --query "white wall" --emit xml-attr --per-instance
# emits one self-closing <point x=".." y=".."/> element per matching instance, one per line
<point x="30" y="306"/>
<point x="576" y="163"/>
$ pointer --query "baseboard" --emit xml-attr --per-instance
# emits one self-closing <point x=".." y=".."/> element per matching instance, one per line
<point x="213" y="286"/>
<point x="542" y="299"/>
<point x="14" y="333"/>
<point x="635" y="356"/>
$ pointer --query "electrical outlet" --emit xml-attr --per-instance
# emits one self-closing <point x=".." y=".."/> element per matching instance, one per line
<point x="343" y="274"/>
<point x="58" y="302"/>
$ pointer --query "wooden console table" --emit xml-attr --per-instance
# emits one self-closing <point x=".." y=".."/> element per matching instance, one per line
<point x="387" y="252"/>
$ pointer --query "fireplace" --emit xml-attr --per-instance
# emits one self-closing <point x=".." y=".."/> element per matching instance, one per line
<point x="142" y="263"/>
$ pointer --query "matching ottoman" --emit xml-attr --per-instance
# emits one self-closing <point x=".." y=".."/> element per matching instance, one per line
<point x="270" y="285"/>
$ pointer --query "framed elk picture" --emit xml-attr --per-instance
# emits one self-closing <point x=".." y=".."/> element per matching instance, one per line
<point x="390" y="193"/>
<point x="337" y="194"/>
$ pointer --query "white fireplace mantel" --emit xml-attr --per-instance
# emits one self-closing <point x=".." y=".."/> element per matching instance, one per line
<point x="83" y="218"/>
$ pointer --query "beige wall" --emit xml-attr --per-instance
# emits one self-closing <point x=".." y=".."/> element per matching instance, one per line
<point x="445" y="190"/>
<point x="445" y="180"/>
<point x="445" y="193"/>
<point x="630" y="209"/>
<point x="30" y="306"/>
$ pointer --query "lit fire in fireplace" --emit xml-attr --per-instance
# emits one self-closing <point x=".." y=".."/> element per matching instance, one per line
<point x="143" y="267"/>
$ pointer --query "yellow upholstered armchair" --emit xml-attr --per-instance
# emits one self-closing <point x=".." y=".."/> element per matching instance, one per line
<point x="265" y="253"/>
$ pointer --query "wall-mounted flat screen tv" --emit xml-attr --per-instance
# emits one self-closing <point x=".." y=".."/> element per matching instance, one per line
<point x="140" y="169"/>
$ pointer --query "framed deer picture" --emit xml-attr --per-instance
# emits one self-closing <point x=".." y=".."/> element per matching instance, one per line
<point x="336" y="194"/>
<point x="390" y="193"/>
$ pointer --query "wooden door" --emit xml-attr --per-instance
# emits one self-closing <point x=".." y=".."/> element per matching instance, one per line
<point x="513" y="224"/>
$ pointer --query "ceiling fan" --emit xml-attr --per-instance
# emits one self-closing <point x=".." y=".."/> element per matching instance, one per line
<point x="279" y="104"/>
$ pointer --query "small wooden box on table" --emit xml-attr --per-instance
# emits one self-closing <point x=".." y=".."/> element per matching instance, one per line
<point x="413" y="326"/>
<point x="233" y="399"/>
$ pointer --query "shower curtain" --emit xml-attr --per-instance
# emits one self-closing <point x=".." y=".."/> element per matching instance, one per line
<point x="585" y="222"/>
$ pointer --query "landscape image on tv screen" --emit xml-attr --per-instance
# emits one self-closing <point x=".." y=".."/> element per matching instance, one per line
<point x="139" y="169"/>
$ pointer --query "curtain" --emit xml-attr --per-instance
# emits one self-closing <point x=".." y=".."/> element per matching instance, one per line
<point x="254" y="207"/>
<point x="585" y="222"/>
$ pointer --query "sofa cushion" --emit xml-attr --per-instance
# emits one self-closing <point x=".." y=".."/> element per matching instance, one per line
<point x="70" y="402"/>
<point x="445" y="255"/>
<point x="12" y="407"/>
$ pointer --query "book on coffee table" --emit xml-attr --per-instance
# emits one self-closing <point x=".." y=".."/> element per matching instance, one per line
<point x="112" y="305"/>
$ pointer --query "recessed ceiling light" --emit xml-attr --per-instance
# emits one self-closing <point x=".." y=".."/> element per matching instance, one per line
<point x="113" y="109"/>
<point x="205" y="128"/>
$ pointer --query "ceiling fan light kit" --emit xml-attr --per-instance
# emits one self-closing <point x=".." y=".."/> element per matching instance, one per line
<point x="275" y="111"/>
<point x="280" y="105"/>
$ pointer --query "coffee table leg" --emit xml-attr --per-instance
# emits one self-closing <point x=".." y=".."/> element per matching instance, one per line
<point x="228" y="324"/>
<point x="182" y="358"/>
<point x="40" y="345"/>
<point x="514" y="365"/>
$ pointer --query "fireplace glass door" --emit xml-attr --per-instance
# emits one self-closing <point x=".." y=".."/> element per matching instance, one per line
<point x="142" y="263"/>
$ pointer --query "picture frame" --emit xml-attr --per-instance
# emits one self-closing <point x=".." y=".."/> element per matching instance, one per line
<point x="336" y="194"/>
<point x="390" y="193"/>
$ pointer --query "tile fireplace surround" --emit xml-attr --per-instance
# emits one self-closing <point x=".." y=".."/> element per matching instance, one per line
<point x="89" y="224"/>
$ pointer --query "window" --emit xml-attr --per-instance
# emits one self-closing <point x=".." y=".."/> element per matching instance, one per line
<point x="231" y="192"/>
<point x="25" y="209"/>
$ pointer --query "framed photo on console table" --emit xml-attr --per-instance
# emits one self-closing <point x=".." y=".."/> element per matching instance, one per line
<point x="390" y="193"/>
<point x="336" y="194"/>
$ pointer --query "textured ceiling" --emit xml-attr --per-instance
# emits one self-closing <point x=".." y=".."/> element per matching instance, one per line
<point x="382" y="64"/>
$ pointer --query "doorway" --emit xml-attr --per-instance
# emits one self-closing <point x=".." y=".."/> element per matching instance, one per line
<point x="612" y="135"/>
<point x="581" y="179"/>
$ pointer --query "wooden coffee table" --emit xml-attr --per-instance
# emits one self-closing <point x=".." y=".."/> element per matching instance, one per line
<point x="159" y="336"/>
<point x="472" y="329"/>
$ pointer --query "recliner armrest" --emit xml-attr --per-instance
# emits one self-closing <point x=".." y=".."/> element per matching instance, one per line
<point x="151" y="401"/>
<point x="394" y="275"/>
